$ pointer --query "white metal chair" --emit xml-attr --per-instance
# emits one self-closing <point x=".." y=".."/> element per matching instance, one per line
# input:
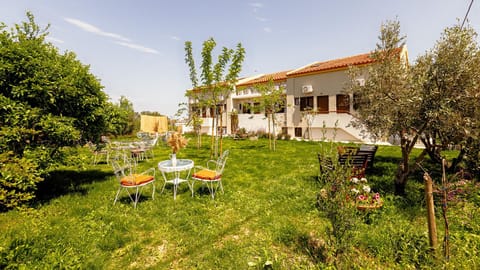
<point x="211" y="176"/>
<point x="128" y="179"/>
<point x="100" y="150"/>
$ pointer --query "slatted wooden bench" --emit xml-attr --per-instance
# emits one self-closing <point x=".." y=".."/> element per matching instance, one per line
<point x="358" y="162"/>
<point x="369" y="151"/>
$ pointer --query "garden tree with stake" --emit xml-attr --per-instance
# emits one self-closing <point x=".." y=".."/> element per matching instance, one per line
<point x="271" y="100"/>
<point x="48" y="101"/>
<point x="216" y="85"/>
<point x="194" y="120"/>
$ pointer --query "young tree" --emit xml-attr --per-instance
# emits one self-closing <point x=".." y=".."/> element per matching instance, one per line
<point x="194" y="120"/>
<point x="216" y="82"/>
<point x="272" y="99"/>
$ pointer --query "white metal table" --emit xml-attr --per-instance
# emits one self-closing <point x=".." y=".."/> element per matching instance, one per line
<point x="168" y="169"/>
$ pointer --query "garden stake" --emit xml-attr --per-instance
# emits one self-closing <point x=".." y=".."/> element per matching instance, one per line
<point x="446" y="247"/>
<point x="432" y="227"/>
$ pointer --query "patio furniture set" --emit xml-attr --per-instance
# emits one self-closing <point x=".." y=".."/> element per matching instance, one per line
<point x="173" y="173"/>
<point x="138" y="150"/>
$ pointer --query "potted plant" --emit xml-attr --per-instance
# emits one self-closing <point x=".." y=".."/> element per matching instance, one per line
<point x="176" y="142"/>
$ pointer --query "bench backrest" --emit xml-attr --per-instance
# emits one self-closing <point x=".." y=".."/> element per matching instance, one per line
<point x="369" y="151"/>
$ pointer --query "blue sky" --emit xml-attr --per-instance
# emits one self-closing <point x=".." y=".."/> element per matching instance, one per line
<point x="136" y="47"/>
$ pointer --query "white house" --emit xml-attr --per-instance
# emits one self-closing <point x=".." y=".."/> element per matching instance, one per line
<point x="316" y="108"/>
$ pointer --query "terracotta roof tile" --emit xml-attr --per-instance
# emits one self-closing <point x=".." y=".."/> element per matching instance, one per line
<point x="315" y="67"/>
<point x="277" y="76"/>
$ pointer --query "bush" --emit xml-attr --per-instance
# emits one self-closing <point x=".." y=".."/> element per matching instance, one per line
<point x="18" y="179"/>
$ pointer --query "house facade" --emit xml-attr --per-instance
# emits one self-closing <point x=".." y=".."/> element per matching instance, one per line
<point x="316" y="105"/>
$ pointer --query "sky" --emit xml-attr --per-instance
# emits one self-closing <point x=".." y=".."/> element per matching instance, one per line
<point x="136" y="47"/>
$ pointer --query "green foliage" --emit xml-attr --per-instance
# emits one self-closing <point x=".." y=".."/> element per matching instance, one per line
<point x="121" y="117"/>
<point x="388" y="103"/>
<point x="449" y="80"/>
<point x="217" y="84"/>
<point x="48" y="100"/>
<point x="18" y="180"/>
<point x="334" y="203"/>
<point x="272" y="99"/>
<point x="436" y="100"/>
<point x="39" y="85"/>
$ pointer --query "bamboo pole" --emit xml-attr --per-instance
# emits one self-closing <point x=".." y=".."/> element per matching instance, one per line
<point x="432" y="227"/>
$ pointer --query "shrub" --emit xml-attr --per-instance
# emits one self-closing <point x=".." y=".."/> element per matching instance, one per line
<point x="18" y="179"/>
<point x="342" y="214"/>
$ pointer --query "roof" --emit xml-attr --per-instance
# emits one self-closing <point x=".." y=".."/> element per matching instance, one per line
<point x="341" y="63"/>
<point x="264" y="78"/>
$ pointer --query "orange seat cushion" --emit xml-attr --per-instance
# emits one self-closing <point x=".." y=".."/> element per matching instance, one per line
<point x="207" y="175"/>
<point x="136" y="179"/>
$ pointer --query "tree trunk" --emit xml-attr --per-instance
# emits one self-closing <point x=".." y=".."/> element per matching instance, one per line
<point x="269" y="133"/>
<point x="212" y="140"/>
<point x="400" y="180"/>
<point x="456" y="161"/>
<point x="274" y="134"/>
<point x="433" y="150"/>
<point x="403" y="170"/>
<point x="221" y="131"/>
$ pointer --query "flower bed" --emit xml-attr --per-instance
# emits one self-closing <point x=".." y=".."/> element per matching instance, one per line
<point x="364" y="197"/>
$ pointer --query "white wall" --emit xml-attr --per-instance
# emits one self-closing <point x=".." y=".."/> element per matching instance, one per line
<point x="256" y="122"/>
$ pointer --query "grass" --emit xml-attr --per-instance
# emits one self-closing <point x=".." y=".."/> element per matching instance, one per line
<point x="268" y="215"/>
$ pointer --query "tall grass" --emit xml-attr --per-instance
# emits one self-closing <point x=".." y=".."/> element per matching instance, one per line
<point x="267" y="216"/>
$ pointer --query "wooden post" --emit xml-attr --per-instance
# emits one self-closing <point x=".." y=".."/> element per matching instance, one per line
<point x="432" y="226"/>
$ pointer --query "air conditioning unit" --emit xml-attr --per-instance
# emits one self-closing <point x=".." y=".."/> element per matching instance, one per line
<point x="307" y="89"/>
<point x="361" y="82"/>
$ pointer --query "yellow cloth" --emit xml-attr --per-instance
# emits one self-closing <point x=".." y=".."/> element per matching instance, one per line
<point x="136" y="179"/>
<point x="206" y="175"/>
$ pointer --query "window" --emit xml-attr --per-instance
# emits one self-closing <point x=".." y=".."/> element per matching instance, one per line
<point x="256" y="108"/>
<point x="297" y="101"/>
<point x="306" y="103"/>
<point x="357" y="99"/>
<point x="343" y="103"/>
<point x="246" y="108"/>
<point x="322" y="104"/>
<point x="298" y="132"/>
<point x="284" y="130"/>
<point x="196" y="110"/>
<point x="279" y="108"/>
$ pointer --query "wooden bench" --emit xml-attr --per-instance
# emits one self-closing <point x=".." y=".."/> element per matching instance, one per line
<point x="369" y="151"/>
<point x="357" y="162"/>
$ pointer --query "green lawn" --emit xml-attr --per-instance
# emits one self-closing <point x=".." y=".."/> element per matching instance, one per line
<point x="268" y="215"/>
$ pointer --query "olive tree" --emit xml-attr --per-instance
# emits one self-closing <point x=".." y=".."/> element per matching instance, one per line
<point x="434" y="101"/>
<point x="388" y="102"/>
<point x="449" y="78"/>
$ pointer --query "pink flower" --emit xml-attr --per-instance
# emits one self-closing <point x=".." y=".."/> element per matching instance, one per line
<point x="362" y="197"/>
<point x="376" y="197"/>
